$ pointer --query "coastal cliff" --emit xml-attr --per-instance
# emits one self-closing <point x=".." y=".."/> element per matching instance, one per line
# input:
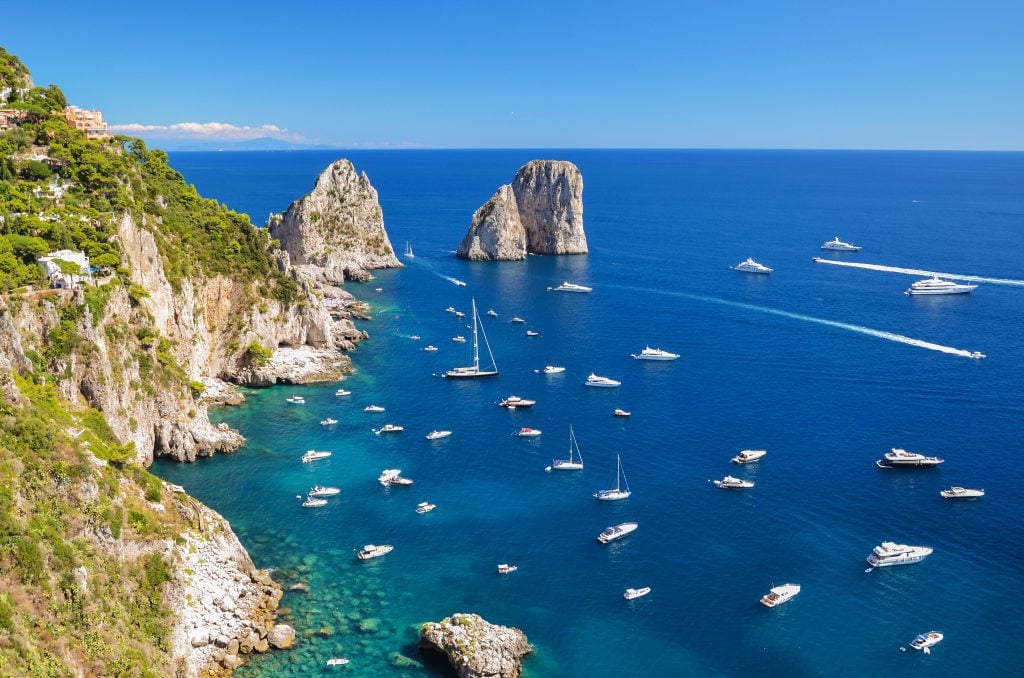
<point x="336" y="232"/>
<point x="540" y="212"/>
<point x="476" y="648"/>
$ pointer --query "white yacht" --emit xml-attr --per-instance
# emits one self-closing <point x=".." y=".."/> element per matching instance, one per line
<point x="977" y="355"/>
<point x="337" y="661"/>
<point x="389" y="428"/>
<point x="314" y="502"/>
<point x="633" y="594"/>
<point x="619" y="412"/>
<point x="437" y="435"/>
<point x="491" y="312"/>
<point x="956" y="492"/>
<point x="532" y="333"/>
<point x="450" y="309"/>
<point x="460" y="314"/>
<point x="572" y="463"/>
<point x="473" y="371"/>
<point x="935" y="285"/>
<point x="323" y="491"/>
<point x="527" y="432"/>
<point x="408" y="251"/>
<point x="314" y="455"/>
<point x="779" y="594"/>
<point x="926" y="641"/>
<point x="601" y="382"/>
<point x="372" y="551"/>
<point x="517" y="319"/>
<point x="751" y="266"/>
<point x="425" y="507"/>
<point x="514" y="402"/>
<point x="616" y="532"/>
<point x="342" y="392"/>
<point x="373" y="408"/>
<point x="730" y="483"/>
<point x="654" y="354"/>
<point x="570" y="287"/>
<point x="388" y="476"/>
<point x="553" y="369"/>
<point x="618" y="492"/>
<point x="402" y="481"/>
<point x="838" y="245"/>
<point x="328" y="422"/>
<point x="296" y="400"/>
<point x="430" y="348"/>
<point x="901" y="458"/>
<point x="748" y="456"/>
<point x="890" y="553"/>
<point x="459" y="339"/>
<point x="505" y="568"/>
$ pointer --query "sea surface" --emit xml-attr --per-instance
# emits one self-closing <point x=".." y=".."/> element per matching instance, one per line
<point x="803" y="363"/>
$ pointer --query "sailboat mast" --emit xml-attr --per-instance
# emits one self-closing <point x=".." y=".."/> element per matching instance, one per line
<point x="476" y="347"/>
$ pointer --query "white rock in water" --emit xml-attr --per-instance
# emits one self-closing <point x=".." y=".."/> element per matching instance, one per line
<point x="476" y="648"/>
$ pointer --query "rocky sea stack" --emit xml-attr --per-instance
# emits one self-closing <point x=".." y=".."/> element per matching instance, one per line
<point x="337" y="231"/>
<point x="476" y="648"/>
<point x="540" y="212"/>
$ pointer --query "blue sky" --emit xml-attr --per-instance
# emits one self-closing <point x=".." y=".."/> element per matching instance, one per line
<point x="726" y="74"/>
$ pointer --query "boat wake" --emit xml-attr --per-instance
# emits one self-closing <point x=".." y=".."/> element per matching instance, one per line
<point x="920" y="271"/>
<point x="454" y="281"/>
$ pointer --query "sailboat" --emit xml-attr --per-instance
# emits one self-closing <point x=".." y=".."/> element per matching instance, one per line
<point x="569" y="464"/>
<point x="620" y="479"/>
<point x="408" y="251"/>
<point x="474" y="371"/>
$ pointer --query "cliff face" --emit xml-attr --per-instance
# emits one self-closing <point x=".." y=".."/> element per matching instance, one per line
<point x="541" y="212"/>
<point x="336" y="232"/>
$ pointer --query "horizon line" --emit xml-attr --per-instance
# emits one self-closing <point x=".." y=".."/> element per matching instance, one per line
<point x="589" y="148"/>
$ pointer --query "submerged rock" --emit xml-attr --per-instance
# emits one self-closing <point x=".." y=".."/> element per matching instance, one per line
<point x="476" y="648"/>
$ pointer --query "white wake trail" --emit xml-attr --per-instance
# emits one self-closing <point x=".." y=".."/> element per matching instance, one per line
<point x="922" y="272"/>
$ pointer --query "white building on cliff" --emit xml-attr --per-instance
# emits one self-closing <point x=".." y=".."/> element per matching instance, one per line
<point x="57" y="277"/>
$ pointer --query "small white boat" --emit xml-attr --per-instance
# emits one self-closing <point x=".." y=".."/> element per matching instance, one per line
<point x="956" y="492"/>
<point x="337" y="661"/>
<point x="890" y="553"/>
<point x="780" y="594"/>
<point x="622" y="413"/>
<point x="437" y="435"/>
<point x="926" y="641"/>
<point x="748" y="456"/>
<point x="618" y="492"/>
<point x="573" y="463"/>
<point x="505" y="568"/>
<point x="570" y="287"/>
<point x="402" y="482"/>
<point x="936" y="286"/>
<point x="430" y="348"/>
<point x="553" y="369"/>
<point x="297" y="400"/>
<point x="323" y="491"/>
<point x="838" y="245"/>
<point x="328" y="421"/>
<point x="616" y="532"/>
<point x="730" y="483"/>
<point x="388" y="475"/>
<point x="314" y="502"/>
<point x="371" y="551"/>
<point x="460" y="314"/>
<point x="415" y="337"/>
<point x="751" y="266"/>
<point x="425" y="507"/>
<point x="373" y="408"/>
<point x="515" y="402"/>
<point x="517" y="319"/>
<point x="450" y="309"/>
<point x="633" y="594"/>
<point x="977" y="355"/>
<point x="531" y="333"/>
<point x="460" y="283"/>
<point x="900" y="458"/>
<point x="527" y="432"/>
<point x="601" y="382"/>
<point x="314" y="455"/>
<point x="654" y="354"/>
<point x="389" y="428"/>
<point x="342" y="392"/>
<point x="491" y="312"/>
<point x="459" y="339"/>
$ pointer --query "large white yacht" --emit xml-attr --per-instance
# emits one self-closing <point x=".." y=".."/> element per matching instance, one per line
<point x="780" y="594"/>
<point x="372" y="551"/>
<point x="936" y="285"/>
<point x="388" y="476"/>
<point x="751" y="266"/>
<point x="553" y="369"/>
<point x="570" y="287"/>
<point x="731" y="483"/>
<point x="322" y="491"/>
<point x="314" y="455"/>
<point x="654" y="354"/>
<point x="748" y="456"/>
<point x="514" y="402"/>
<point x="890" y="553"/>
<point x="602" y="382"/>
<point x="925" y="641"/>
<point x="438" y="435"/>
<point x="956" y="492"/>
<point x="838" y="245"/>
<point x="616" y="532"/>
<point x="900" y="458"/>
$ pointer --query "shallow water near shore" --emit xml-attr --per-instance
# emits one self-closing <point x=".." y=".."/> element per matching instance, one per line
<point x="825" y="401"/>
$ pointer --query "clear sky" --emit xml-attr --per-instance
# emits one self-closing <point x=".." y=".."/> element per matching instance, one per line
<point x="938" y="74"/>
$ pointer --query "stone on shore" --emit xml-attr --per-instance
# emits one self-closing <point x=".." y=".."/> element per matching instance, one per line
<point x="281" y="636"/>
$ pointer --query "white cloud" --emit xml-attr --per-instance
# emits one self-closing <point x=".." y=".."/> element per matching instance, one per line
<point x="212" y="131"/>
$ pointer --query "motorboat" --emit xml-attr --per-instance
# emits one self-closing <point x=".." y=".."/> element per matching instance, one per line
<point x="956" y="492"/>
<point x="430" y="348"/>
<point x="515" y="402"/>
<point x="388" y="475"/>
<point x="654" y="354"/>
<point x="900" y="458"/>
<point x="460" y="314"/>
<point x="437" y="435"/>
<point x="425" y="507"/>
<point x="415" y="337"/>
<point x="459" y="339"/>
<point x="616" y="532"/>
<point x="622" y="413"/>
<point x="532" y="333"/>
<point x="575" y="460"/>
<point x="935" y="285"/>
<point x="296" y="400"/>
<point x="402" y="481"/>
<point x="601" y="382"/>
<point x="450" y="309"/>
<point x="372" y="551"/>
<point x="977" y="355"/>
<point x="389" y="428"/>
<point x="926" y="641"/>
<point x="837" y="245"/>
<point x="633" y="594"/>
<point x="314" y="502"/>
<point x="890" y="553"/>
<point x="342" y="392"/>
<point x="505" y="568"/>
<point x="373" y="408"/>
<point x="553" y="369"/>
<point x="323" y="491"/>
<point x="337" y="661"/>
<point x="779" y="594"/>
<point x="751" y="266"/>
<point x="491" y="312"/>
<point x="730" y="483"/>
<point x="459" y="283"/>
<point x="748" y="456"/>
<point x="570" y="287"/>
<point x="328" y="421"/>
<point x="517" y="319"/>
<point x="314" y="455"/>
<point x="618" y="492"/>
<point x="473" y="371"/>
<point x="527" y="432"/>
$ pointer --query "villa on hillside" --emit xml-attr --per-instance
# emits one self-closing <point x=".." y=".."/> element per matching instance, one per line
<point x="12" y="117"/>
<point x="59" y="279"/>
<point x="90" y="122"/>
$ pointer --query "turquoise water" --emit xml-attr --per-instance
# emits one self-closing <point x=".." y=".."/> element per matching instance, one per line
<point x="761" y="367"/>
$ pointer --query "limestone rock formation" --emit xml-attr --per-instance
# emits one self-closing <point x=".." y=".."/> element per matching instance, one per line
<point x="336" y="232"/>
<point x="476" y="648"/>
<point x="541" y="212"/>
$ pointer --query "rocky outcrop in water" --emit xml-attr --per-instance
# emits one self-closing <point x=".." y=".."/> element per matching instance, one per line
<point x="476" y="648"/>
<point x="336" y="233"/>
<point x="540" y="212"/>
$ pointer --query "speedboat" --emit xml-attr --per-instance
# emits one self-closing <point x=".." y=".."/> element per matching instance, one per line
<point x="297" y="400"/>
<point x="936" y="285"/>
<point x="925" y="641"/>
<point x="961" y="493"/>
<point x="437" y="435"/>
<point x="313" y="455"/>
<point x="601" y="382"/>
<point x="401" y="482"/>
<point x="459" y="339"/>
<point x="430" y="347"/>
<point x="527" y="432"/>
<point x="838" y="245"/>
<point x="890" y="553"/>
<point x="779" y="594"/>
<point x="460" y="314"/>
<point x="328" y="421"/>
<point x="337" y="661"/>
<point x="514" y="402"/>
<point x="517" y="319"/>
<point x="901" y="458"/>
<point x="491" y="312"/>
<point x="450" y="309"/>
<point x="389" y="428"/>
<point x="616" y="532"/>
<point x="618" y="492"/>
<point x="314" y="502"/>
<point x="570" y="287"/>
<point x="388" y="476"/>
<point x="633" y="594"/>
<point x="459" y="283"/>
<point x="373" y="408"/>
<point x="977" y="355"/>
<point x="730" y="483"/>
<point x="751" y="266"/>
<point x="425" y="507"/>
<point x="322" y="491"/>
<point x="654" y="354"/>
<point x="622" y="413"/>
<point x="342" y="392"/>
<point x="371" y="551"/>
<point x="505" y="568"/>
<point x="748" y="456"/>
<point x="552" y="369"/>
<point x="575" y="460"/>
<point x="531" y="333"/>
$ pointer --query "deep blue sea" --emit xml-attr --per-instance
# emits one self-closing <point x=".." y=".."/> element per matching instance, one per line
<point x="825" y="400"/>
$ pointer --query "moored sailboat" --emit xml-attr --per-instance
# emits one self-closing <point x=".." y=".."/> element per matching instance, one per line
<point x="620" y="479"/>
<point x="473" y="371"/>
<point x="570" y="464"/>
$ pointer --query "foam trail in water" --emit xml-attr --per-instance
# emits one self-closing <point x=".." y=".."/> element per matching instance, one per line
<point x="860" y="329"/>
<point x="918" y="271"/>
